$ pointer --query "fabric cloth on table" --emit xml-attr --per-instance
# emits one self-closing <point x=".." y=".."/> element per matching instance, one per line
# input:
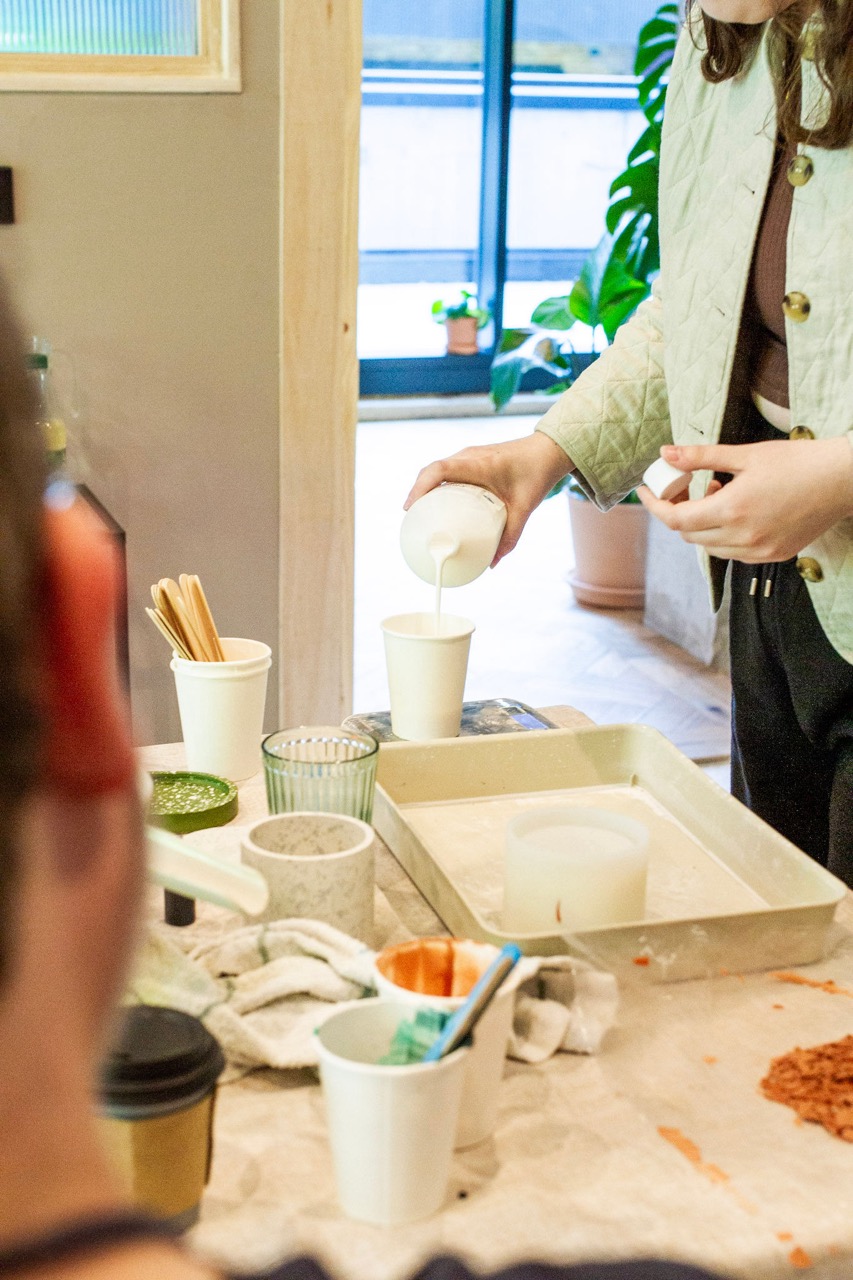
<point x="262" y="990"/>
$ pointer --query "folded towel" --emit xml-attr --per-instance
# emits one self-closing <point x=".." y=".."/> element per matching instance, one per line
<point x="262" y="990"/>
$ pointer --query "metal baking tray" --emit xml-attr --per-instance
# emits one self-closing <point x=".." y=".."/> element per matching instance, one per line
<point x="725" y="893"/>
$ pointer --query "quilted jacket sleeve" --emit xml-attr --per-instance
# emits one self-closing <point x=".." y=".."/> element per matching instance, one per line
<point x="614" y="419"/>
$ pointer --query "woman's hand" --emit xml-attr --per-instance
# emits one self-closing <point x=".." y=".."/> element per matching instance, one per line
<point x="520" y="472"/>
<point x="783" y="494"/>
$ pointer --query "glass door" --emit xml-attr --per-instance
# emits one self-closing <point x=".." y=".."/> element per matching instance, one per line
<point x="421" y="145"/>
<point x="491" y="131"/>
<point x="574" y="119"/>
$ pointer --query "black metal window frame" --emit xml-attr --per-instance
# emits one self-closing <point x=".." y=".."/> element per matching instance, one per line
<point x="491" y="264"/>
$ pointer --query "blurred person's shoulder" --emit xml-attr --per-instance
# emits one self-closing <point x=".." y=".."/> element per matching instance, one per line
<point x="453" y="1268"/>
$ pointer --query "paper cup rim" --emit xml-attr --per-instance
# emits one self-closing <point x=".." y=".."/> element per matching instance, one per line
<point x="368" y="835"/>
<point x="383" y="1069"/>
<point x="390" y="626"/>
<point x="260" y="661"/>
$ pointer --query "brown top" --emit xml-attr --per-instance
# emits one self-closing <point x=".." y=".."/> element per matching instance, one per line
<point x="768" y="364"/>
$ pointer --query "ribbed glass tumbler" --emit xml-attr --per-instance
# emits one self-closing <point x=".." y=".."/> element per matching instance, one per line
<point x="320" y="768"/>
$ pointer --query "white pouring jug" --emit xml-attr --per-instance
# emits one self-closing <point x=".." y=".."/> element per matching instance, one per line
<point x="457" y="525"/>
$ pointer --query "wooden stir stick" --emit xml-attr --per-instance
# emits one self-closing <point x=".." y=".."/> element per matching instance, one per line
<point x="196" y="602"/>
<point x="183" y="616"/>
<point x="176" y="610"/>
<point x="165" y="630"/>
<point x="203" y="609"/>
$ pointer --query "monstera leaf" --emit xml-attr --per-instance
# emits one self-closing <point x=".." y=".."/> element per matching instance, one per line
<point x="605" y="293"/>
<point x="520" y="351"/>
<point x="632" y="215"/>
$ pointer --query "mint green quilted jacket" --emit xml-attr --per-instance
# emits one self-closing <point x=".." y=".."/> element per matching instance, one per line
<point x="667" y="374"/>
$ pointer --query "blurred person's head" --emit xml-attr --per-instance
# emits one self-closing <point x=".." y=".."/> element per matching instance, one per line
<point x="70" y="834"/>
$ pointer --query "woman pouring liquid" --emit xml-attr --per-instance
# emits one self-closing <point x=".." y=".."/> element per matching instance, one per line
<point x="739" y="370"/>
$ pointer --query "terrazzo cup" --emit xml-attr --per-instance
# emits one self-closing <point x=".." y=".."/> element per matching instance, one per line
<point x="318" y="865"/>
<point x="157" y="1094"/>
<point x="439" y="973"/>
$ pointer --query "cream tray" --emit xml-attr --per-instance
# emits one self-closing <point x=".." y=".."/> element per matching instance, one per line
<point x="725" y="891"/>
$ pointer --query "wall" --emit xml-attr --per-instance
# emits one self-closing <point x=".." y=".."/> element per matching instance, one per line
<point x="146" y="245"/>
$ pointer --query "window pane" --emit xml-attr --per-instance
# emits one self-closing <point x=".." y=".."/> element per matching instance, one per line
<point x="573" y="121"/>
<point x="167" y="28"/>
<point x="421" y="129"/>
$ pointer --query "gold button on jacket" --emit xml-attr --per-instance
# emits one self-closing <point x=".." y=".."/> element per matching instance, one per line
<point x="800" y="171"/>
<point x="809" y="569"/>
<point x="796" y="307"/>
<point x="801" y="433"/>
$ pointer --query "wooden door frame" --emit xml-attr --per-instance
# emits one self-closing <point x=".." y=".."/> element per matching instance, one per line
<point x="319" y="165"/>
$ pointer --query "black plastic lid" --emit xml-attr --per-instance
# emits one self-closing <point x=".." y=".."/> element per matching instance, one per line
<point x="161" y="1056"/>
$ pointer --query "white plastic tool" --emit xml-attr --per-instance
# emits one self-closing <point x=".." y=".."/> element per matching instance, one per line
<point x="175" y="865"/>
<point x="665" y="480"/>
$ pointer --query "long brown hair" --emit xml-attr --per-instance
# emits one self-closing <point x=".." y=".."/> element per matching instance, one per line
<point x="827" y="40"/>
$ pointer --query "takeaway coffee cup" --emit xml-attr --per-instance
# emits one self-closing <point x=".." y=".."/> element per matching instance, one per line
<point x="158" y="1087"/>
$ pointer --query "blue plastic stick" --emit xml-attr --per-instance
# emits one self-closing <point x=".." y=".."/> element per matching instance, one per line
<point x="463" y="1021"/>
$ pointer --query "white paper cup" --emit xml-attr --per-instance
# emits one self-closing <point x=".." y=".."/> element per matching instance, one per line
<point x="426" y="674"/>
<point x="572" y="868"/>
<point x="391" y="1128"/>
<point x="317" y="865"/>
<point x="222" y="709"/>
<point x="415" y="972"/>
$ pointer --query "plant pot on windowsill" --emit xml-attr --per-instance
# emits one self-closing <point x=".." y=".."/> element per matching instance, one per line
<point x="461" y="319"/>
<point x="610" y="553"/>
<point x="462" y="336"/>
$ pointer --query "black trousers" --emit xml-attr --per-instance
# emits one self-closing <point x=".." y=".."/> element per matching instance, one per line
<point x="792" y="712"/>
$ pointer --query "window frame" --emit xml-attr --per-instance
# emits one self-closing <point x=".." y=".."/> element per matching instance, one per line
<point x="449" y="375"/>
<point x="216" y="69"/>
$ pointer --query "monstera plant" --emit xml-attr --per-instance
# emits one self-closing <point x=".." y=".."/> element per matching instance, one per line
<point x="616" y="276"/>
<point x="609" y="549"/>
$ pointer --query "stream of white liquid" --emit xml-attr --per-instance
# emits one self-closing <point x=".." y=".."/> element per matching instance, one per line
<point x="441" y="548"/>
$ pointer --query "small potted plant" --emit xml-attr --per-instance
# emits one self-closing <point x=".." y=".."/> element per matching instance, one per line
<point x="462" y="319"/>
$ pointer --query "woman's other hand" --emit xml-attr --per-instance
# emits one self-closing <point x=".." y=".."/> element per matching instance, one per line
<point x="520" y="472"/>
<point x="783" y="494"/>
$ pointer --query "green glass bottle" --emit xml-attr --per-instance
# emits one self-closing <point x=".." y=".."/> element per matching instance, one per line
<point x="48" y="421"/>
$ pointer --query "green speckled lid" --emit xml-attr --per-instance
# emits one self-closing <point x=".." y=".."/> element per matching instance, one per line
<point x="185" y="802"/>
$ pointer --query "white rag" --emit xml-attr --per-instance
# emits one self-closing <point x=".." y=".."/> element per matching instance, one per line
<point x="262" y="990"/>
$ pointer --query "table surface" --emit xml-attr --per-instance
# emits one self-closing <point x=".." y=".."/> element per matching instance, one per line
<point x="661" y="1145"/>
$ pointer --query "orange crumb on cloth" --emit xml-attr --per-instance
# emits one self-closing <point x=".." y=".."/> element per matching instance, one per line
<point x="710" y="1059"/>
<point x="831" y="988"/>
<point x="784" y="1235"/>
<point x="689" y="1149"/>
<point x="817" y="1084"/>
<point x="642" y="960"/>
<point x="799" y="1258"/>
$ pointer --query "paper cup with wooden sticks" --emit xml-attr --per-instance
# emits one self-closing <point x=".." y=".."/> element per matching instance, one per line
<point x="222" y="708"/>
